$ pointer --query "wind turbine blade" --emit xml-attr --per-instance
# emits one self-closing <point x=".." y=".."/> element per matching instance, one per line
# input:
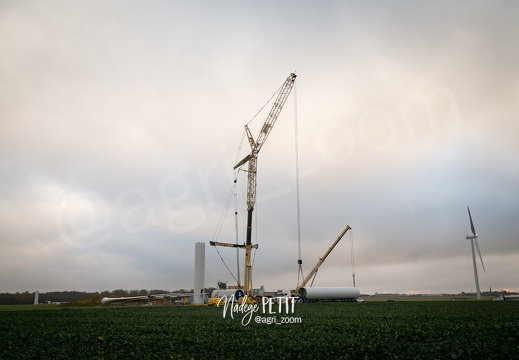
<point x="479" y="252"/>
<point x="471" y="223"/>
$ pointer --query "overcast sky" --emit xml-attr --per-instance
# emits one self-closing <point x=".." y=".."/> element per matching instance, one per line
<point x="120" y="122"/>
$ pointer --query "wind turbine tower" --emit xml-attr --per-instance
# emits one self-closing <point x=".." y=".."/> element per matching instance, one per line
<point x="198" y="295"/>
<point x="474" y="239"/>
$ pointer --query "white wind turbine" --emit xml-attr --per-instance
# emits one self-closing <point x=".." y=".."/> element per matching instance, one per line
<point x="474" y="239"/>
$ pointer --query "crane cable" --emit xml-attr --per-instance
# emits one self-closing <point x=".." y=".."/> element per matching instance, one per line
<point x="298" y="207"/>
<point x="236" y="173"/>
<point x="236" y="228"/>
<point x="269" y="100"/>
<point x="255" y="205"/>
<point x="352" y="258"/>
<point x="222" y="217"/>
<point x="239" y="150"/>
<point x="256" y="249"/>
<point x="219" y="228"/>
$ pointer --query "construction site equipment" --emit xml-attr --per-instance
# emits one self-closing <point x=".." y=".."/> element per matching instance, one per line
<point x="313" y="273"/>
<point x="329" y="293"/>
<point x="252" y="159"/>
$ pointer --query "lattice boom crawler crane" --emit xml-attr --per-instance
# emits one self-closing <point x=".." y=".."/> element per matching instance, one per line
<point x="252" y="159"/>
<point x="313" y="273"/>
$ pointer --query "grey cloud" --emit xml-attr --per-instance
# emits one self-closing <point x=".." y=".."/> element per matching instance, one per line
<point x="126" y="122"/>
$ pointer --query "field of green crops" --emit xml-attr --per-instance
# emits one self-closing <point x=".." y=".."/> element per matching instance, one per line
<point x="372" y="330"/>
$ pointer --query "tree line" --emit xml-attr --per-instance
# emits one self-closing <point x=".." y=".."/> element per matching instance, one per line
<point x="21" y="298"/>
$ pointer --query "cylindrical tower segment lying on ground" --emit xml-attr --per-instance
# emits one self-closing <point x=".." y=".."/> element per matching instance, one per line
<point x="329" y="293"/>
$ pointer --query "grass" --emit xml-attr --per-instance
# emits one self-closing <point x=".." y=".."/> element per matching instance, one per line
<point x="370" y="330"/>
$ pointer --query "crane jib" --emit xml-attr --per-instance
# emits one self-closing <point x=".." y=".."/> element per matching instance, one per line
<point x="243" y="161"/>
<point x="251" y="159"/>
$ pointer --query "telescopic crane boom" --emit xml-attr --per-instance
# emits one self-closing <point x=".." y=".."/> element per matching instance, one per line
<point x="252" y="159"/>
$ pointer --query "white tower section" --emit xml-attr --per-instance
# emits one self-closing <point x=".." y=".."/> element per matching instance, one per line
<point x="198" y="297"/>
<point x="36" y="295"/>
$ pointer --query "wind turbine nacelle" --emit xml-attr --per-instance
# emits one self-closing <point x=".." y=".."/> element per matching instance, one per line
<point x="471" y="237"/>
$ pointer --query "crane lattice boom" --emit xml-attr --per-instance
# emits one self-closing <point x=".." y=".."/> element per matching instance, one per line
<point x="257" y="144"/>
<point x="321" y="259"/>
<point x="252" y="160"/>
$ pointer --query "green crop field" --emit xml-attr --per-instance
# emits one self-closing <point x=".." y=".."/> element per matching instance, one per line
<point x="370" y="330"/>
